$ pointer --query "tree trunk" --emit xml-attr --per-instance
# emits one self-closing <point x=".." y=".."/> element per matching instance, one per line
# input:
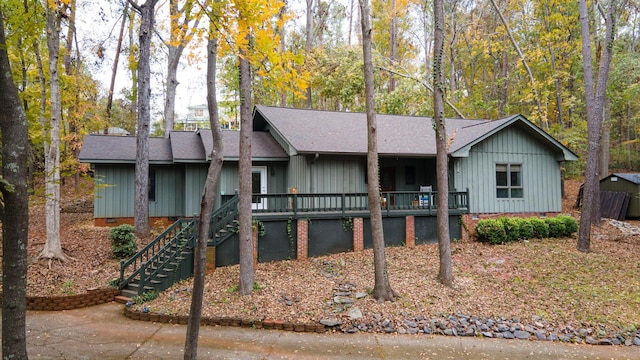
<point x="445" y="274"/>
<point x="179" y="36"/>
<point x="52" y="247"/>
<point x="14" y="212"/>
<point x="206" y="205"/>
<point x="382" y="290"/>
<point x="245" y="212"/>
<point x="595" y="103"/>
<point x="141" y="210"/>
<point x="116" y="59"/>
<point x="393" y="43"/>
<point x="309" y="45"/>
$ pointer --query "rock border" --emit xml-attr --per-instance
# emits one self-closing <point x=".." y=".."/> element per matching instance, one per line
<point x="69" y="302"/>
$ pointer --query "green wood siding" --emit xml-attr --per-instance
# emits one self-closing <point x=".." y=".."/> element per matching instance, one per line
<point x="297" y="174"/>
<point x="540" y="174"/>
<point x="337" y="175"/>
<point x="169" y="191"/>
<point x="114" y="191"/>
<point x="195" y="176"/>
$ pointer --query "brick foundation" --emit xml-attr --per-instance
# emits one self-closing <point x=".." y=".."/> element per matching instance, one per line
<point x="303" y="239"/>
<point x="358" y="234"/>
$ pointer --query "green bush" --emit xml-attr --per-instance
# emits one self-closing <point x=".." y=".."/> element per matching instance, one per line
<point x="556" y="227"/>
<point x="525" y="228"/>
<point x="511" y="228"/>
<point x="540" y="227"/>
<point x="123" y="241"/>
<point x="491" y="231"/>
<point x="571" y="225"/>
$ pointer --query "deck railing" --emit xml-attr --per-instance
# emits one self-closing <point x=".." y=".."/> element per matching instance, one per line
<point x="392" y="202"/>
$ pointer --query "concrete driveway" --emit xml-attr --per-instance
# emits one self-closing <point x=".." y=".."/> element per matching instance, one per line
<point x="102" y="332"/>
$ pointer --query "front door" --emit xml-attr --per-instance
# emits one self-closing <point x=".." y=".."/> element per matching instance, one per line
<point x="258" y="186"/>
<point x="388" y="182"/>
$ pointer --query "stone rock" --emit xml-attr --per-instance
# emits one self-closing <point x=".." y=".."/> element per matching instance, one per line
<point x="412" y="331"/>
<point x="402" y="330"/>
<point x="331" y="321"/>
<point x="389" y="330"/>
<point x="503" y="328"/>
<point x="343" y="300"/>
<point x="591" y="341"/>
<point x="636" y="341"/>
<point x="523" y="335"/>
<point x="584" y="332"/>
<point x="553" y="337"/>
<point x="343" y="293"/>
<point x="410" y="324"/>
<point x="354" y="313"/>
<point x="451" y="332"/>
<point x="540" y="335"/>
<point x="615" y="341"/>
<point x="529" y="329"/>
<point x="484" y="327"/>
<point x="508" y="335"/>
<point x="385" y="323"/>
<point x="360" y="295"/>
<point x="487" y="334"/>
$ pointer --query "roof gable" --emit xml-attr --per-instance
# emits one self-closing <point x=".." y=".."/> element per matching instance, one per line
<point x="630" y="177"/>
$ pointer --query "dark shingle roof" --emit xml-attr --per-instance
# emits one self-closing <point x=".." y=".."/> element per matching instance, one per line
<point x="313" y="131"/>
<point x="122" y="149"/>
<point x="263" y="145"/>
<point x="182" y="146"/>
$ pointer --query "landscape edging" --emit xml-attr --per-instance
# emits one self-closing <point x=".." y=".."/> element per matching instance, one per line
<point x="69" y="302"/>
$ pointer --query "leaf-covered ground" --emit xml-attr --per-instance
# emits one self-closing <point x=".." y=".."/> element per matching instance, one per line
<point x="546" y="278"/>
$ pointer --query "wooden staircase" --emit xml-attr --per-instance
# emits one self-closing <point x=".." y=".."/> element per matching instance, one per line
<point x="169" y="258"/>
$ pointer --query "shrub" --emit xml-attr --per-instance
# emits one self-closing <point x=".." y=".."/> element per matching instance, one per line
<point x="511" y="228"/>
<point x="571" y="225"/>
<point x="123" y="241"/>
<point x="492" y="231"/>
<point x="525" y="228"/>
<point x="540" y="227"/>
<point x="556" y="227"/>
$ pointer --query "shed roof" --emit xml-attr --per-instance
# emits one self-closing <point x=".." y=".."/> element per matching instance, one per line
<point x="631" y="177"/>
<point x="316" y="131"/>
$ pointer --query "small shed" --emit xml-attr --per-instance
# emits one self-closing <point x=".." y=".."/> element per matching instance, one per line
<point x="625" y="183"/>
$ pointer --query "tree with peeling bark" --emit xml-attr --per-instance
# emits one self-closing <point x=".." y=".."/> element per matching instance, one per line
<point x="445" y="274"/>
<point x="595" y="99"/>
<point x="14" y="210"/>
<point x="141" y="207"/>
<point x="382" y="290"/>
<point x="52" y="250"/>
<point x="208" y="195"/>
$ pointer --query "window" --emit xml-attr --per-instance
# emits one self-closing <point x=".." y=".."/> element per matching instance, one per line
<point x="509" y="181"/>
<point x="152" y="184"/>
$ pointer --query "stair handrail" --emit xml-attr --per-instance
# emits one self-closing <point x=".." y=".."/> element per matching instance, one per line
<point x="223" y="216"/>
<point x="139" y="260"/>
<point x="188" y="234"/>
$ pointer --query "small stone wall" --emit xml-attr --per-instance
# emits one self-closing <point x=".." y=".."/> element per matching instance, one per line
<point x="227" y="321"/>
<point x="57" y="303"/>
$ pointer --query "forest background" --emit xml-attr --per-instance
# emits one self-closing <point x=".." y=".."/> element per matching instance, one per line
<point x="322" y="68"/>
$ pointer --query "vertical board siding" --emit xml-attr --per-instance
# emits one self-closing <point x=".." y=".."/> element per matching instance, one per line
<point x="337" y="175"/>
<point x="114" y="191"/>
<point x="195" y="177"/>
<point x="169" y="192"/>
<point x="540" y="174"/>
<point x="297" y="174"/>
